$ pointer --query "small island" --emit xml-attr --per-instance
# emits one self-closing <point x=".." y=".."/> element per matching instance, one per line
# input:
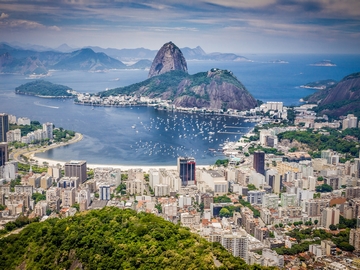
<point x="319" y="85"/>
<point x="279" y="62"/>
<point x="45" y="89"/>
<point x="324" y="63"/>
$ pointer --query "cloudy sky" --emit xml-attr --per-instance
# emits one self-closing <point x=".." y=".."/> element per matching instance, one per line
<point x="239" y="26"/>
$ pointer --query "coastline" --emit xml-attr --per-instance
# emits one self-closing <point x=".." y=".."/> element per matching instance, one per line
<point x="31" y="155"/>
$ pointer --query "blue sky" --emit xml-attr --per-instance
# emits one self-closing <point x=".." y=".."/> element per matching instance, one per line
<point x="239" y="26"/>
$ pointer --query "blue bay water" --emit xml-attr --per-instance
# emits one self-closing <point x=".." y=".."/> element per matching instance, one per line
<point x="159" y="137"/>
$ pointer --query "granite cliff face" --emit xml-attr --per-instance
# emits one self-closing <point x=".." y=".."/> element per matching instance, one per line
<point x="340" y="99"/>
<point x="168" y="58"/>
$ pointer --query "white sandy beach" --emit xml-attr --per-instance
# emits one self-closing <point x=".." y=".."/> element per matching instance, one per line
<point x="50" y="162"/>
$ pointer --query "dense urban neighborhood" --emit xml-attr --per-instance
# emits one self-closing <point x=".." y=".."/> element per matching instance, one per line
<point x="287" y="194"/>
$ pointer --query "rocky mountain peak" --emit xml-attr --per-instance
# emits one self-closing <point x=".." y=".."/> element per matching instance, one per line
<point x="168" y="58"/>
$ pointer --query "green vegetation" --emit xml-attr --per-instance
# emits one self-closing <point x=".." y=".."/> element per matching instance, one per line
<point x="222" y="162"/>
<point x="170" y="83"/>
<point x="43" y="88"/>
<point x="324" y="188"/>
<point x="121" y="189"/>
<point x="25" y="129"/>
<point x="274" y="151"/>
<point x="224" y="212"/>
<point x="222" y="199"/>
<point x="256" y="212"/>
<point x="38" y="197"/>
<point x="154" y="86"/>
<point x="20" y="222"/>
<point x="60" y="134"/>
<point x="251" y="187"/>
<point x="63" y="135"/>
<point x="306" y="237"/>
<point x="316" y="141"/>
<point x="26" y="168"/>
<point x="228" y="211"/>
<point x="112" y="238"/>
<point x="346" y="223"/>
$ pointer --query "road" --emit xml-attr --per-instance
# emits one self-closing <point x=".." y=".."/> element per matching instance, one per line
<point x="17" y="154"/>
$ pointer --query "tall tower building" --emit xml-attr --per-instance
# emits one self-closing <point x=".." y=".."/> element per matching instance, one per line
<point x="4" y="126"/>
<point x="48" y="128"/>
<point x="186" y="170"/>
<point x="77" y="169"/>
<point x="3" y="153"/>
<point x="259" y="162"/>
<point x="104" y="192"/>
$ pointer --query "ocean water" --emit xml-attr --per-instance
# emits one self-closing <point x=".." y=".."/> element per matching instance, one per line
<point x="144" y="136"/>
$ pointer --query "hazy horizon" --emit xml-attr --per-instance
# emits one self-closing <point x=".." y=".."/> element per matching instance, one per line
<point x="237" y="26"/>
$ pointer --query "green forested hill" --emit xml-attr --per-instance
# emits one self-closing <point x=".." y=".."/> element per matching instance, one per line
<point x="43" y="88"/>
<point x="112" y="238"/>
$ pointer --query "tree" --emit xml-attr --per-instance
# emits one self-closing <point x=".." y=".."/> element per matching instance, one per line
<point x="251" y="187"/>
<point x="332" y="227"/>
<point x="224" y="212"/>
<point x="316" y="221"/>
<point x="222" y="199"/>
<point x="158" y="207"/>
<point x="324" y="188"/>
<point x="38" y="197"/>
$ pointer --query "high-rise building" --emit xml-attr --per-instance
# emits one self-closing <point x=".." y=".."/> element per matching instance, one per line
<point x="48" y="128"/>
<point x="186" y="170"/>
<point x="4" y="126"/>
<point x="104" y="192"/>
<point x="236" y="244"/>
<point x="68" y="197"/>
<point x="354" y="238"/>
<point x="76" y="168"/>
<point x="3" y="153"/>
<point x="350" y="122"/>
<point x="330" y="216"/>
<point x="259" y="162"/>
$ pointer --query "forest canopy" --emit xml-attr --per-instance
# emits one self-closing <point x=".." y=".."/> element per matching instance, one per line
<point x="43" y="88"/>
<point x="112" y="238"/>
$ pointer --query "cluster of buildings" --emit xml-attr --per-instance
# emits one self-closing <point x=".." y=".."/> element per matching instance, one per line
<point x="265" y="196"/>
<point x="15" y="135"/>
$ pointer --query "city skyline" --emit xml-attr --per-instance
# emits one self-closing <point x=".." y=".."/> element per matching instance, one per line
<point x="266" y="26"/>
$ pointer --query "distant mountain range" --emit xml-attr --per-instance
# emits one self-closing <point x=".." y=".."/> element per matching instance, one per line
<point x="190" y="54"/>
<point x="34" y="59"/>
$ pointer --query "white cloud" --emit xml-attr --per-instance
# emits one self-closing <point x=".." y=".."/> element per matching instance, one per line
<point x="4" y="16"/>
<point x="54" y="27"/>
<point x="241" y="3"/>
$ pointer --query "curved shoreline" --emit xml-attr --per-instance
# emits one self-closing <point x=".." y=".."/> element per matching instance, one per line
<point x="31" y="155"/>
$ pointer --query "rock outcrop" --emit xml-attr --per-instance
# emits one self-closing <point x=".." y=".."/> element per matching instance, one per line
<point x="168" y="58"/>
<point x="216" y="90"/>
<point x="339" y="99"/>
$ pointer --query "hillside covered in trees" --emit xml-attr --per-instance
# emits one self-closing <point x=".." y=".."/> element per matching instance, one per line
<point x="44" y="89"/>
<point x="112" y="238"/>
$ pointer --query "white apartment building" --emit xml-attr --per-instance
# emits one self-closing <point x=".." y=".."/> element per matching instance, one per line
<point x="215" y="181"/>
<point x="270" y="201"/>
<point x="236" y="244"/>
